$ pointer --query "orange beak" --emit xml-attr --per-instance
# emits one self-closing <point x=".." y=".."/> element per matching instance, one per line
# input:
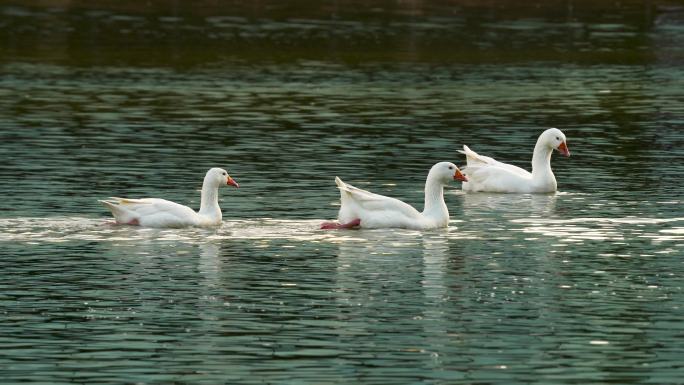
<point x="459" y="176"/>
<point x="232" y="182"/>
<point x="563" y="149"/>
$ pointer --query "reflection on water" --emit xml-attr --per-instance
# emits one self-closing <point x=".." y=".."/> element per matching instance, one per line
<point x="581" y="286"/>
<point x="492" y="292"/>
<point x="521" y="204"/>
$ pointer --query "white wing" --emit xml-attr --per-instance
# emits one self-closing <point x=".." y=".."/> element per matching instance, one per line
<point x="496" y="179"/>
<point x="475" y="161"/>
<point x="374" y="210"/>
<point x="151" y="212"/>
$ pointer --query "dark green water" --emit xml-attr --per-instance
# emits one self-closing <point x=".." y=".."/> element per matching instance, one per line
<point x="580" y="287"/>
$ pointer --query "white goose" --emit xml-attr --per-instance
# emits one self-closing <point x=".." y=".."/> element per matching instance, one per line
<point x="154" y="212"/>
<point x="361" y="208"/>
<point x="488" y="175"/>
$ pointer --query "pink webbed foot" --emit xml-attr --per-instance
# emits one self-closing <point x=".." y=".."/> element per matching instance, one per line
<point x="338" y="226"/>
<point x="132" y="222"/>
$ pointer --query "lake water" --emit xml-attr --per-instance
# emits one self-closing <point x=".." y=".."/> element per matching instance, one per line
<point x="582" y="286"/>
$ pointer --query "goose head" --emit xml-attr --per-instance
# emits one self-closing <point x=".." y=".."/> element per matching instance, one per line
<point x="555" y="139"/>
<point x="445" y="172"/>
<point x="219" y="177"/>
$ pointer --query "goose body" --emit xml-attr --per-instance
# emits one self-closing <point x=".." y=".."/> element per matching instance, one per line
<point x="155" y="212"/>
<point x="361" y="208"/>
<point x="486" y="174"/>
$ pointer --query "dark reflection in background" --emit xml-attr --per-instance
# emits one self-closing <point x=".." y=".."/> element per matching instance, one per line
<point x="181" y="34"/>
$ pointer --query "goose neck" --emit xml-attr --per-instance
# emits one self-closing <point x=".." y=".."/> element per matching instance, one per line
<point x="434" y="199"/>
<point x="541" y="160"/>
<point x="209" y="205"/>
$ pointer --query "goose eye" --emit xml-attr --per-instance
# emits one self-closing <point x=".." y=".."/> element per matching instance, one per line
<point x="451" y="168"/>
<point x="223" y="173"/>
<point x="557" y="138"/>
